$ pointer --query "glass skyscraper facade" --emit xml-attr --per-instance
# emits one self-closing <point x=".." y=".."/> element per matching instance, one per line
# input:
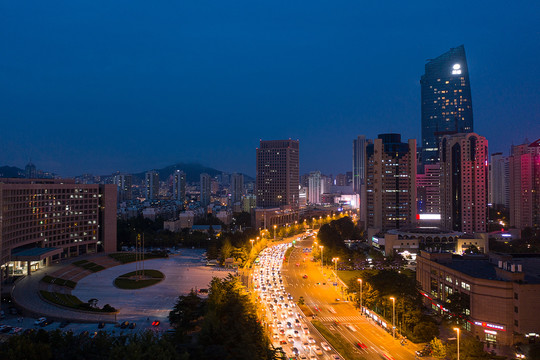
<point x="446" y="101"/>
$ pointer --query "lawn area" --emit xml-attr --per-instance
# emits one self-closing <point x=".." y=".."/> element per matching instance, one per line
<point x="124" y="281"/>
<point x="58" y="281"/>
<point x="337" y="341"/>
<point x="125" y="258"/>
<point x="347" y="275"/>
<point x="71" y="301"/>
<point x="88" y="265"/>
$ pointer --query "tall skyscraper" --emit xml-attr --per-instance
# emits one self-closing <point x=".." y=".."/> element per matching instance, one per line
<point x="390" y="182"/>
<point x="428" y="191"/>
<point x="446" y="101"/>
<point x="315" y="188"/>
<point x="237" y="187"/>
<point x="179" y="186"/>
<point x="152" y="185"/>
<point x="277" y="173"/>
<point x="123" y="185"/>
<point x="206" y="189"/>
<point x="359" y="163"/>
<point x="499" y="181"/>
<point x="524" y="164"/>
<point x="464" y="182"/>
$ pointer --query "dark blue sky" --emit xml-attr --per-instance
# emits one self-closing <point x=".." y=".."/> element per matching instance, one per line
<point x="100" y="86"/>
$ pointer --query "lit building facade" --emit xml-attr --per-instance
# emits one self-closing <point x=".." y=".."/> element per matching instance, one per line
<point x="237" y="187"/>
<point x="277" y="176"/>
<point x="428" y="190"/>
<point x="464" y="182"/>
<point x="390" y="182"/>
<point x="446" y="101"/>
<point x="45" y="220"/>
<point x="500" y="293"/>
<point x="315" y="187"/>
<point x="499" y="181"/>
<point x="151" y="185"/>
<point x="524" y="165"/>
<point x="179" y="186"/>
<point x="124" y="184"/>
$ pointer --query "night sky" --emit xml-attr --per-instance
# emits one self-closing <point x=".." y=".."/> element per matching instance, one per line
<point x="100" y="86"/>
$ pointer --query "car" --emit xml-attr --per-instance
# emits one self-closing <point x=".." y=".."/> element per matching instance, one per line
<point x="303" y="357"/>
<point x="304" y="276"/>
<point x="283" y="342"/>
<point x="101" y="325"/>
<point x="338" y="299"/>
<point x="16" y="330"/>
<point x="311" y="340"/>
<point x="317" y="350"/>
<point x="296" y="333"/>
<point x="325" y="346"/>
<point x="46" y="323"/>
<point x="93" y="335"/>
<point x="290" y="338"/>
<point x="155" y="323"/>
<point x="305" y="345"/>
<point x="423" y="352"/>
<point x="132" y="325"/>
<point x="335" y="357"/>
<point x="124" y="325"/>
<point x="295" y="351"/>
<point x="40" y="320"/>
<point x="361" y="345"/>
<point x="275" y="336"/>
<point x="5" y="328"/>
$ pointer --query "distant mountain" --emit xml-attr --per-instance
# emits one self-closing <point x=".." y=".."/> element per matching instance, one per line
<point x="192" y="170"/>
<point x="11" y="172"/>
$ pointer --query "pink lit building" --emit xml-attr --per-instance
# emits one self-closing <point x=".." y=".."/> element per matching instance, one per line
<point x="464" y="182"/>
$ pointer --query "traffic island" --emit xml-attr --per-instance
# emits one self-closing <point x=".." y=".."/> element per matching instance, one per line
<point x="138" y="279"/>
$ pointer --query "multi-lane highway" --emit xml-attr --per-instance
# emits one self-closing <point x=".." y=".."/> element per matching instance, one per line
<point x="303" y="277"/>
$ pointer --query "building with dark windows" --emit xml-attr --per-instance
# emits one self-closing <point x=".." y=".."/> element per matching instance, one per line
<point x="179" y="186"/>
<point x="45" y="220"/>
<point x="124" y="183"/>
<point x="151" y="185"/>
<point x="446" y="101"/>
<point x="390" y="182"/>
<point x="464" y="182"/>
<point x="277" y="173"/>
<point x="206" y="189"/>
<point x="237" y="188"/>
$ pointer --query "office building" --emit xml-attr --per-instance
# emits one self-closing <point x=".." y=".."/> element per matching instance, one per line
<point x="359" y="163"/>
<point x="464" y="182"/>
<point x="30" y="171"/>
<point x="390" y="182"/>
<point x="237" y="187"/>
<point x="45" y="220"/>
<point x="446" y="101"/>
<point x="524" y="165"/>
<point x="499" y="292"/>
<point x="315" y="188"/>
<point x="124" y="184"/>
<point x="277" y="173"/>
<point x="151" y="185"/>
<point x="499" y="181"/>
<point x="179" y="186"/>
<point x="205" y="189"/>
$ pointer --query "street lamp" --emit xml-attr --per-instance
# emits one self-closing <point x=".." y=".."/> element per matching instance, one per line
<point x="393" y="317"/>
<point x="252" y="241"/>
<point x="361" y="308"/>
<point x="335" y="261"/>
<point x="321" y="247"/>
<point x="275" y="226"/>
<point x="457" y="329"/>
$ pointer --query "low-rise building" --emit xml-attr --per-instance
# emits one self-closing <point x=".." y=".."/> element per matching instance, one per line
<point x="501" y="292"/>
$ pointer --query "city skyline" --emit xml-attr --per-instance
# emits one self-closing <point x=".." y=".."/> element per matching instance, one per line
<point x="104" y="91"/>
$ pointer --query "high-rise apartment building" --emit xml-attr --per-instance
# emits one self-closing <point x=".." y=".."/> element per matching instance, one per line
<point x="124" y="184"/>
<point x="524" y="164"/>
<point x="30" y="171"/>
<point x="499" y="181"/>
<point x="206" y="189"/>
<point x="390" y="182"/>
<point x="237" y="187"/>
<point x="341" y="180"/>
<point x="428" y="190"/>
<point x="277" y="173"/>
<point x="464" y="182"/>
<point x="446" y="101"/>
<point x="45" y="220"/>
<point x="179" y="186"/>
<point x="315" y="188"/>
<point x="151" y="183"/>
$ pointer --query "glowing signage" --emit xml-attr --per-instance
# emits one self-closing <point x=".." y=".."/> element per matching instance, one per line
<point x="456" y="69"/>
<point x="489" y="326"/>
<point x="429" y="216"/>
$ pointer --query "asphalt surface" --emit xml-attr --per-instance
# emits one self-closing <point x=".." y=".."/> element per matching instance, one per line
<point x="338" y="316"/>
